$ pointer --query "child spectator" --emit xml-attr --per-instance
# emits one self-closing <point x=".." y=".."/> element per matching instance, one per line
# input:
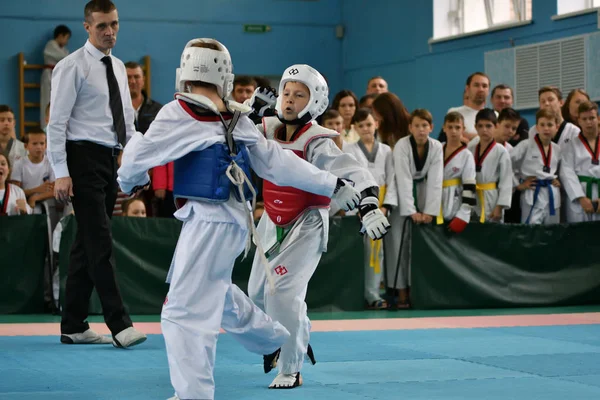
<point x="493" y="170"/>
<point x="377" y="158"/>
<point x="134" y="208"/>
<point x="458" y="187"/>
<point x="10" y="146"/>
<point x="33" y="173"/>
<point x="12" y="198"/>
<point x="535" y="163"/>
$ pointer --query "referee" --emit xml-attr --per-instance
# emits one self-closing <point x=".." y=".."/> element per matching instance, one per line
<point x="91" y="117"/>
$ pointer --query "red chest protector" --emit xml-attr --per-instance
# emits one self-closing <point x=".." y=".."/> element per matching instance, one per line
<point x="285" y="204"/>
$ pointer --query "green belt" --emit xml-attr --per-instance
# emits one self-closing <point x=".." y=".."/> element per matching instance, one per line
<point x="415" y="181"/>
<point x="590" y="181"/>
<point x="281" y="235"/>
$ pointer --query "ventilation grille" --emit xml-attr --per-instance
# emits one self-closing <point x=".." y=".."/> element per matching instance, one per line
<point x="558" y="63"/>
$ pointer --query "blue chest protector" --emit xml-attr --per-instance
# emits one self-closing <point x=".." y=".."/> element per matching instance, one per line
<point x="201" y="175"/>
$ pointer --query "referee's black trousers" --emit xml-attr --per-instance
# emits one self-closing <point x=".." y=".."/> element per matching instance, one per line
<point x="93" y="170"/>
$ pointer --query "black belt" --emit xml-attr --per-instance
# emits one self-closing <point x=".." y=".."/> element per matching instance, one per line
<point x="112" y="151"/>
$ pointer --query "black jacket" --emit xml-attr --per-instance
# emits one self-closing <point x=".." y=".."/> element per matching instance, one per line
<point x="147" y="113"/>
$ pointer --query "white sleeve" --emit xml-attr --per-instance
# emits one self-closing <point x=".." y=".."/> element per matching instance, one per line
<point x="54" y="52"/>
<point x="435" y="177"/>
<point x="20" y="195"/>
<point x="404" y="181"/>
<point x="284" y="168"/>
<point x="568" y="177"/>
<point x="517" y="155"/>
<point x="66" y="82"/>
<point x="325" y="155"/>
<point x="16" y="173"/>
<point x="166" y="140"/>
<point x="391" y="192"/>
<point x="505" y="184"/>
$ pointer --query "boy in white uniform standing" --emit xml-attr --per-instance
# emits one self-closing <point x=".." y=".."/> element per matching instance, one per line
<point x="493" y="170"/>
<point x="295" y="226"/>
<point x="458" y="186"/>
<point x="535" y="162"/>
<point x="213" y="144"/>
<point x="419" y="172"/>
<point x="580" y="168"/>
<point x="377" y="157"/>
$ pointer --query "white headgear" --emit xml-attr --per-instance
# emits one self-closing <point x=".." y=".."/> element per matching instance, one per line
<point x="317" y="86"/>
<point x="205" y="65"/>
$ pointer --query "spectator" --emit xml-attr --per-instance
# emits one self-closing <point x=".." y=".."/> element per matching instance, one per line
<point x="55" y="50"/>
<point x="367" y="100"/>
<point x="502" y="97"/>
<point x="243" y="88"/>
<point x="550" y="98"/>
<point x="474" y="97"/>
<point x="377" y="85"/>
<point x="10" y="146"/>
<point x="146" y="110"/>
<point x="570" y="108"/>
<point x="33" y="173"/>
<point x="346" y="103"/>
<point x="134" y="208"/>
<point x="392" y="118"/>
<point x="333" y="120"/>
<point x="12" y="197"/>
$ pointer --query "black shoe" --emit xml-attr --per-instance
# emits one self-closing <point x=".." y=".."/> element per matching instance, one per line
<point x="270" y="361"/>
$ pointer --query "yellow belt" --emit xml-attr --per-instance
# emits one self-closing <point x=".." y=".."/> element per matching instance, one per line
<point x="480" y="188"/>
<point x="375" y="261"/>
<point x="445" y="184"/>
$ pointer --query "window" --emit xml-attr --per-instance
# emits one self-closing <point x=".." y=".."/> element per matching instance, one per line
<point x="455" y="17"/>
<point x="571" y="6"/>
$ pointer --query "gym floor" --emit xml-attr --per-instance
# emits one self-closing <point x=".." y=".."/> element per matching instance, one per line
<point x="539" y="353"/>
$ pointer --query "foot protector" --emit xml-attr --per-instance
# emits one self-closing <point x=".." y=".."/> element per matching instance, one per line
<point x="286" y="381"/>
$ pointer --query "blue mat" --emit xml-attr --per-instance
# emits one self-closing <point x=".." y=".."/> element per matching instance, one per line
<point x="549" y="363"/>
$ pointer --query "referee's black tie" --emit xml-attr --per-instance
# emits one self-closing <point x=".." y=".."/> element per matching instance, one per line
<point x="116" y="105"/>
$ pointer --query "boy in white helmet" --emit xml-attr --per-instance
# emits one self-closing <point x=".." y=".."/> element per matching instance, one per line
<point x="213" y="144"/>
<point x="295" y="225"/>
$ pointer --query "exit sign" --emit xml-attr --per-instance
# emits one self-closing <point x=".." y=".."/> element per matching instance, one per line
<point x="257" y="28"/>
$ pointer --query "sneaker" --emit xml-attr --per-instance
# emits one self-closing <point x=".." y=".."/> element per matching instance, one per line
<point x="87" y="337"/>
<point x="286" y="381"/>
<point x="128" y="338"/>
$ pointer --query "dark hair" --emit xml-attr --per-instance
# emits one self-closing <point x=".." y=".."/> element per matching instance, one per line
<point x="61" y="30"/>
<point x="545" y="113"/>
<point x="587" y="106"/>
<point x="552" y="89"/>
<point x="243" y="80"/>
<point x="454" y="116"/>
<point x="501" y="86"/>
<point x="474" y="74"/>
<point x="394" y="118"/>
<point x="566" y="114"/>
<point x="133" y="65"/>
<point x="361" y="114"/>
<point x="366" y="97"/>
<point x="421" y="113"/>
<point x="342" y="94"/>
<point x="486" y="114"/>
<point x="103" y="6"/>
<point x="6" y="108"/>
<point x="509" y="114"/>
<point x="261" y="81"/>
<point x="36" y="131"/>
<point x="330" y="114"/>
